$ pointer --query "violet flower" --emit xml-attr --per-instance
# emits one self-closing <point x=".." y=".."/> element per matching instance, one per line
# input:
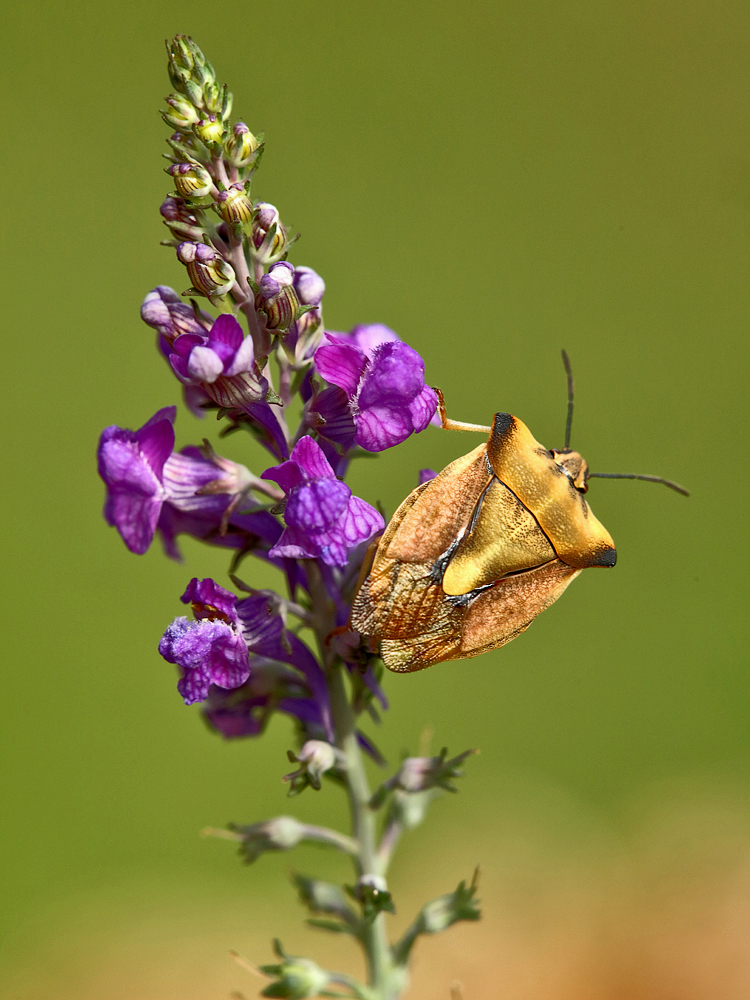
<point x="272" y="686"/>
<point x="210" y="650"/>
<point x="131" y="463"/>
<point x="222" y="363"/>
<point x="149" y="486"/>
<point x="383" y="380"/>
<point x="165" y="312"/>
<point x="306" y="333"/>
<point x="323" y="519"/>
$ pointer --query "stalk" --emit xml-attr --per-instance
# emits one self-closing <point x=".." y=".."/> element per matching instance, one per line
<point x="366" y="861"/>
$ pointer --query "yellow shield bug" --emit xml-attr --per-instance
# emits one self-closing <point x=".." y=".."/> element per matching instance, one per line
<point x="471" y="557"/>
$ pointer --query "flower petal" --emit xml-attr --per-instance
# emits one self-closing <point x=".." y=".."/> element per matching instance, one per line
<point x="423" y="408"/>
<point x="395" y="377"/>
<point x="295" y="544"/>
<point x="332" y="405"/>
<point x="361" y="522"/>
<point x="210" y="601"/>
<point x="288" y="475"/>
<point x="382" y="427"/>
<point x="135" y="516"/>
<point x="226" y="330"/>
<point x="368" y="336"/>
<point x="204" y="364"/>
<point x="342" y="365"/>
<point x="156" y="438"/>
<point x="308" y="454"/>
<point x="317" y="506"/>
<point x="244" y="358"/>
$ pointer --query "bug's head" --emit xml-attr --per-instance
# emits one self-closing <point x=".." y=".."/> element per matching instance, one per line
<point x="574" y="466"/>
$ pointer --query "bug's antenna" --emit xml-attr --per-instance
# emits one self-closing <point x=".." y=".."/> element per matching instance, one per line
<point x="571" y="397"/>
<point x="632" y="475"/>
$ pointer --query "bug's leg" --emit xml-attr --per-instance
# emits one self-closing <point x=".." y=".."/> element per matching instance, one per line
<point x="456" y="425"/>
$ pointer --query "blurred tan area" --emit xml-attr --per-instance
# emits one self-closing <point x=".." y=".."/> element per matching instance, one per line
<point x="657" y="909"/>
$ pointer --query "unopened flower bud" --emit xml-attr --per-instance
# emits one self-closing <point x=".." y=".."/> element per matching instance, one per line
<point x="175" y="210"/>
<point x="209" y="130"/>
<point x="240" y="146"/>
<point x="277" y="297"/>
<point x="181" y="113"/>
<point x="180" y="219"/>
<point x="295" y="979"/>
<point x="309" y="286"/>
<point x="419" y="774"/>
<point x="306" y="333"/>
<point x="268" y="240"/>
<point x="443" y="912"/>
<point x="281" y="833"/>
<point x="165" y="312"/>
<point x="234" y="205"/>
<point x="191" y="179"/>
<point x="209" y="272"/>
<point x="316" y="757"/>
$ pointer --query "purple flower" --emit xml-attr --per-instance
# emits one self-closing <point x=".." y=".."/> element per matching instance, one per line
<point x="131" y="463"/>
<point x="306" y="333"/>
<point x="309" y="286"/>
<point x="271" y="687"/>
<point x="383" y="380"/>
<point x="149" y="485"/>
<point x="165" y="312"/>
<point x="210" y="650"/>
<point x="323" y="519"/>
<point x="222" y="363"/>
<point x="225" y="351"/>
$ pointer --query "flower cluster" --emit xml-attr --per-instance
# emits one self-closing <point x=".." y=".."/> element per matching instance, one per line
<point x="248" y="340"/>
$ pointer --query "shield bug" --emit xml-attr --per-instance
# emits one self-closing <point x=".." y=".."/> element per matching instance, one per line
<point x="471" y="557"/>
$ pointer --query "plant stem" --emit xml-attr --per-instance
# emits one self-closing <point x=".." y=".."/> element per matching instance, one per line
<point x="366" y="860"/>
<point x="363" y="826"/>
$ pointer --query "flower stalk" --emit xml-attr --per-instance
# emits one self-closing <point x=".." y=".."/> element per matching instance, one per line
<point x="249" y="321"/>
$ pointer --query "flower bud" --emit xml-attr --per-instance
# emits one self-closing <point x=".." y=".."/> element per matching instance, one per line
<point x="277" y="297"/>
<point x="296" y="979"/>
<point x="240" y="146"/>
<point x="191" y="179"/>
<point x="233" y="205"/>
<point x="419" y="774"/>
<point x="180" y="219"/>
<point x="309" y="286"/>
<point x="316" y="757"/>
<point x="165" y="312"/>
<point x="209" y="272"/>
<point x="441" y="913"/>
<point x="209" y="130"/>
<point x="268" y="241"/>
<point x="281" y="833"/>
<point x="181" y="113"/>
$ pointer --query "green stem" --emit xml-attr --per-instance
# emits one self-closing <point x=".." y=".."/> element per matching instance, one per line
<point x="366" y="862"/>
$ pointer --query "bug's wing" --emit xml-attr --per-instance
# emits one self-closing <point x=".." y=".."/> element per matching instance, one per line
<point x="504" y="538"/>
<point x="490" y="620"/>
<point x="399" y="596"/>
<point x="433" y="515"/>
<point x="529" y="470"/>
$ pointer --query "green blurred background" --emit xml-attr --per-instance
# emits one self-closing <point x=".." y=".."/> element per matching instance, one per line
<point x="495" y="182"/>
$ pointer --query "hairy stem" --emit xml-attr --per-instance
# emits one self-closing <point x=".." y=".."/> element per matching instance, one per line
<point x="366" y="861"/>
